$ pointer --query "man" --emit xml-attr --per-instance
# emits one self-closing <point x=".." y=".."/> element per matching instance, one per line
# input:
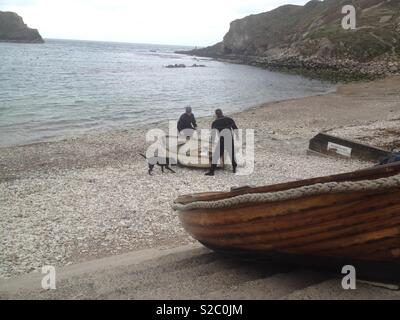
<point x="187" y="120"/>
<point x="223" y="127"/>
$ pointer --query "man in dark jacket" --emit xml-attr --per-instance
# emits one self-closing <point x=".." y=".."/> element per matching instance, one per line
<point x="187" y="120"/>
<point x="223" y="128"/>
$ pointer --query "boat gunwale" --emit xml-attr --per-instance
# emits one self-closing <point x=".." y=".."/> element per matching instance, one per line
<point x="373" y="173"/>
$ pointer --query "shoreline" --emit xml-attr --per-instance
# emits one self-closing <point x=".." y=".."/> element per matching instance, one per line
<point x="316" y="70"/>
<point x="161" y="123"/>
<point x="89" y="197"/>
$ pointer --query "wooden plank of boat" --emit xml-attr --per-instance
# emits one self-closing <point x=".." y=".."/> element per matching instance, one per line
<point x="331" y="145"/>
<point x="363" y="224"/>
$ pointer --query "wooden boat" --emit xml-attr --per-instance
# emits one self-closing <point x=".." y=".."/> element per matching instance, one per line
<point x="332" y="145"/>
<point x="304" y="221"/>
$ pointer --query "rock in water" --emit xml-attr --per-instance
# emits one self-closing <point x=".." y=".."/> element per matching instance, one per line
<point x="13" y="29"/>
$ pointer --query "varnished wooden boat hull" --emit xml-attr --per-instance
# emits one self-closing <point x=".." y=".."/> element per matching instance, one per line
<point x="359" y="226"/>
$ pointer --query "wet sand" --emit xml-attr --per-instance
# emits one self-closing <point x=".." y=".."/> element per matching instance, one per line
<point x="90" y="197"/>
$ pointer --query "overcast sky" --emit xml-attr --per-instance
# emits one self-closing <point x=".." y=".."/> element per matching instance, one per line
<point x="181" y="22"/>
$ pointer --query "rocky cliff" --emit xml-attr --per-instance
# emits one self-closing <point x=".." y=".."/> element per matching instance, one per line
<point x="13" y="29"/>
<point x="310" y="39"/>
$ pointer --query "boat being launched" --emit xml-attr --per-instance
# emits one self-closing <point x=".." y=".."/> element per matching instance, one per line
<point x="193" y="152"/>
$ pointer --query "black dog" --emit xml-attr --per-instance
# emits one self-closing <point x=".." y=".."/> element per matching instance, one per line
<point x="162" y="162"/>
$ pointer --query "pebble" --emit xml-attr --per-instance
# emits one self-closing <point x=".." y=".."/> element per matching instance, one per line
<point x="62" y="215"/>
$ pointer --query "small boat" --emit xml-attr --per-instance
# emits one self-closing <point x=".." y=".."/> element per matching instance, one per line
<point x="195" y="153"/>
<point x="349" y="217"/>
<point x="191" y="153"/>
<point x="344" y="148"/>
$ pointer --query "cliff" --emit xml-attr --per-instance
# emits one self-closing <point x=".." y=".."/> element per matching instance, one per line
<point x="310" y="39"/>
<point x="13" y="29"/>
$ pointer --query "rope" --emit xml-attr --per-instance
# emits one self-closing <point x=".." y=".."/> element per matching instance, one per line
<point x="296" y="193"/>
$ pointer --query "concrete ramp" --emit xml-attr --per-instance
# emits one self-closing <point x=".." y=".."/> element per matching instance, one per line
<point x="190" y="272"/>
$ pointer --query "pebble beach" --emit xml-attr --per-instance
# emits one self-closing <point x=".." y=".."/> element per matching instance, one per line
<point x="90" y="196"/>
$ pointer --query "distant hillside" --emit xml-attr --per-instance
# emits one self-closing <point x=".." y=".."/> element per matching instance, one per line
<point x="13" y="29"/>
<point x="310" y="39"/>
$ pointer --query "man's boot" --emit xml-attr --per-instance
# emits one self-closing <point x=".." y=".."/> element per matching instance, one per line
<point x="211" y="172"/>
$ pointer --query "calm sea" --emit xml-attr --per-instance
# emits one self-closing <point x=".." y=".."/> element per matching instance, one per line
<point x="64" y="88"/>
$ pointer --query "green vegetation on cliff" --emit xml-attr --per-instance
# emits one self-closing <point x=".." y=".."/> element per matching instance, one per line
<point x="310" y="40"/>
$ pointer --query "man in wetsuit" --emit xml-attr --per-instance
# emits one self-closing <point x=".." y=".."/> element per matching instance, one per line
<point x="223" y="129"/>
<point x="187" y="120"/>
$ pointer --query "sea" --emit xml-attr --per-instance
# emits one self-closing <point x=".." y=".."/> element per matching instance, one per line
<point x="66" y="88"/>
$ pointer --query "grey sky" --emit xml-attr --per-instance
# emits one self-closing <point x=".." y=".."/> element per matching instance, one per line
<point x="184" y="22"/>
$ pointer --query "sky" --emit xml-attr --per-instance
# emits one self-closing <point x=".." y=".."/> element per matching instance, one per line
<point x="180" y="22"/>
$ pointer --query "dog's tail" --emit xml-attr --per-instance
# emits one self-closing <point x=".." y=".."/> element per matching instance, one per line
<point x="141" y="154"/>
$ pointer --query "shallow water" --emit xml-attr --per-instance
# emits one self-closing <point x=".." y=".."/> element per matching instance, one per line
<point x="63" y="88"/>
